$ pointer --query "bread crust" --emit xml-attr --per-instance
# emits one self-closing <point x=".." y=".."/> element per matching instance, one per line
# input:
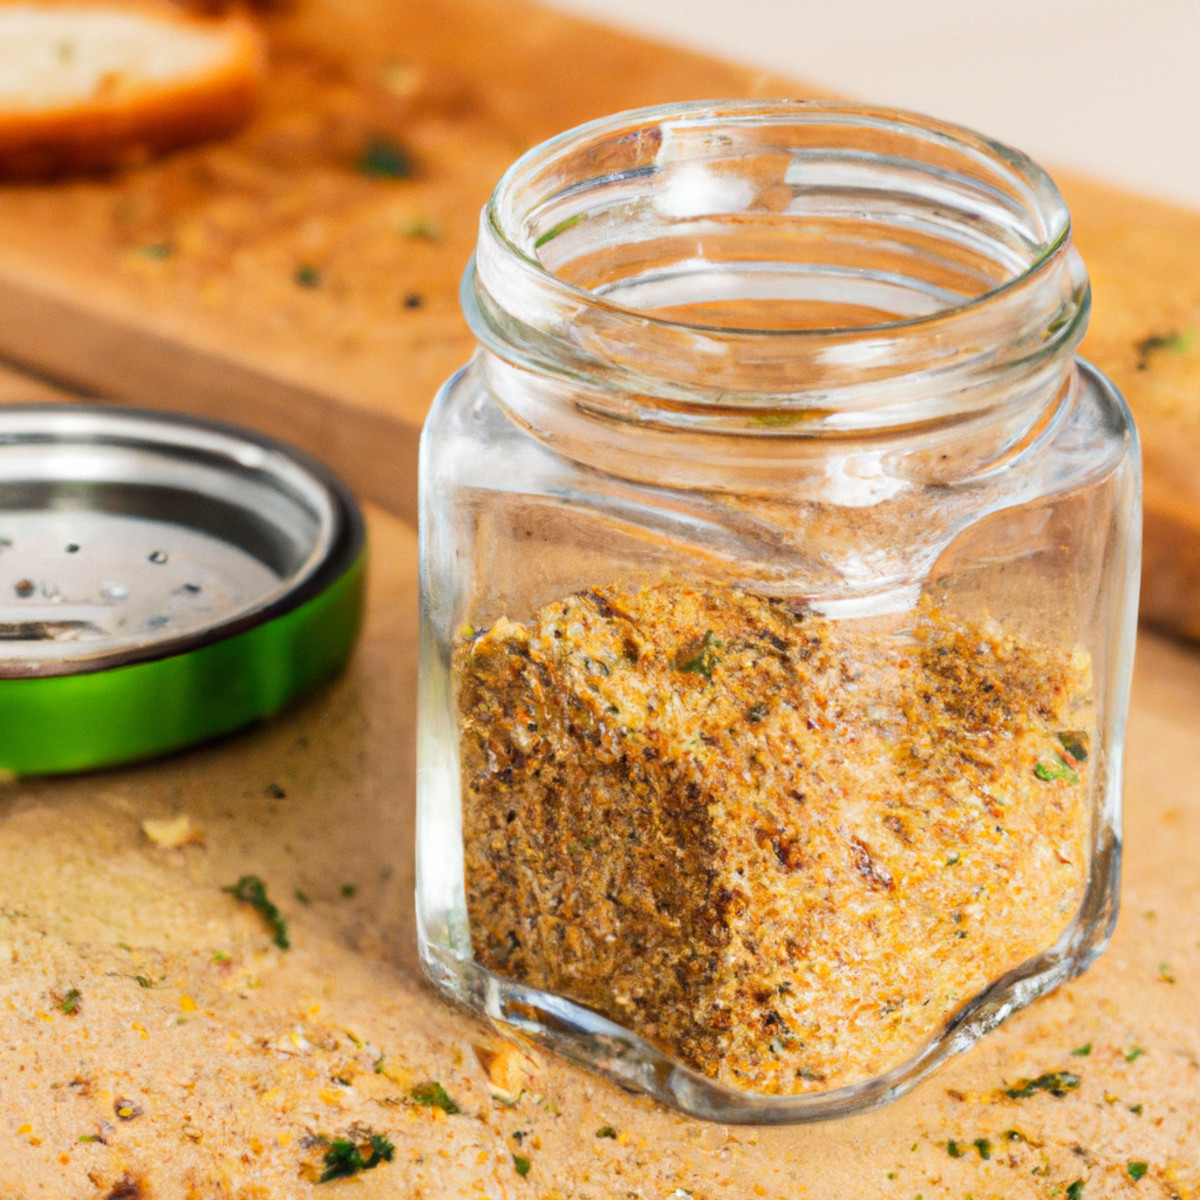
<point x="143" y="119"/>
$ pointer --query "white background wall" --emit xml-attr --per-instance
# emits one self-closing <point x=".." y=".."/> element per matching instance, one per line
<point x="1107" y="87"/>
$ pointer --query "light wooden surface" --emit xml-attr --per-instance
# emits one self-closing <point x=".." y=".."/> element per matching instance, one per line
<point x="237" y="1052"/>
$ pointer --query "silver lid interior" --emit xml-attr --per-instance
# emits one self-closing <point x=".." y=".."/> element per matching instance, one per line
<point x="129" y="535"/>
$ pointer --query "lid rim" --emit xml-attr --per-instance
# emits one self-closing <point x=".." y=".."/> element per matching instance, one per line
<point x="344" y="539"/>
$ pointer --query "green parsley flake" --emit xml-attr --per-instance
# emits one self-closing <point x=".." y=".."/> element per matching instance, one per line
<point x="68" y="1003"/>
<point x="421" y="228"/>
<point x="522" y="1164"/>
<point x="1075" y="743"/>
<point x="1057" y="770"/>
<point x="1075" y="1190"/>
<point x="560" y="228"/>
<point x="345" y="1158"/>
<point x="251" y="890"/>
<point x="381" y="158"/>
<point x="1137" y="1170"/>
<point x="606" y="1131"/>
<point x="701" y="659"/>
<point x="155" y="251"/>
<point x="433" y="1095"/>
<point x="1082" y="1051"/>
<point x="1134" y="1054"/>
<point x="1175" y="342"/>
<point x="1057" y="1083"/>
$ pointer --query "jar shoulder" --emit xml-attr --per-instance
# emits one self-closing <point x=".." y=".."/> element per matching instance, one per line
<point x="471" y="440"/>
<point x="1088" y="440"/>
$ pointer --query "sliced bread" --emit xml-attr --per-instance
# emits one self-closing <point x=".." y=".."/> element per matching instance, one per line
<point x="87" y="86"/>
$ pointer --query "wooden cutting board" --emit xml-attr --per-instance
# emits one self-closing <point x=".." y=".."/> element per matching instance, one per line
<point x="269" y="280"/>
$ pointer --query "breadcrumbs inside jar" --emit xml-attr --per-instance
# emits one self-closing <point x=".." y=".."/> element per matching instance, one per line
<point x="784" y="849"/>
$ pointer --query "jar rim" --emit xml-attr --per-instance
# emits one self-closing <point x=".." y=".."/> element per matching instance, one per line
<point x="1041" y="188"/>
<point x="768" y="211"/>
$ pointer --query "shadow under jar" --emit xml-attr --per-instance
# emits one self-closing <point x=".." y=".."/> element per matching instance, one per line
<point x="779" y="570"/>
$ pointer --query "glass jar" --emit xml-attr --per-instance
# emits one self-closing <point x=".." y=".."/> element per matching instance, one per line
<point x="779" y="569"/>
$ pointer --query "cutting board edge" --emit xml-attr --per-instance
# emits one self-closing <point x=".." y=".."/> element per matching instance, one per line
<point x="109" y="360"/>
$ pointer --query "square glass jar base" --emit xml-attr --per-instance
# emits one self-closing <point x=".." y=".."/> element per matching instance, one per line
<point x="598" y="1044"/>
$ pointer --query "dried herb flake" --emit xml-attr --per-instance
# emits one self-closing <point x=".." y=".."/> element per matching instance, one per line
<point x="522" y="1164"/>
<point x="1175" y="342"/>
<point x="1075" y="743"/>
<point x="1137" y="1170"/>
<point x="68" y="1003"/>
<point x="251" y="890"/>
<point x="1057" y="1083"/>
<point x="555" y="230"/>
<point x="1057" y="770"/>
<point x="155" y="251"/>
<point x="381" y="158"/>
<point x="345" y="1157"/>
<point x="433" y="1095"/>
<point x="701" y="659"/>
<point x="421" y="228"/>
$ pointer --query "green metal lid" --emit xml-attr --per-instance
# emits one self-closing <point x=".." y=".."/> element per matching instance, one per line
<point x="162" y="580"/>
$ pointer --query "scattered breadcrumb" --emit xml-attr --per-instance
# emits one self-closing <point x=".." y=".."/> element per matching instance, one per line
<point x="172" y="833"/>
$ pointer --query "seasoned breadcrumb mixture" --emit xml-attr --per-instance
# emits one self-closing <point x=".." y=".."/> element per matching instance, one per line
<point x="783" y="849"/>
